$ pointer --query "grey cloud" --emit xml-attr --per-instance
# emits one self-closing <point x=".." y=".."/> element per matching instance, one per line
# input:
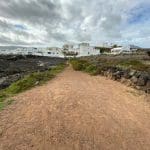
<point x="111" y="26"/>
<point x="4" y="40"/>
<point x="6" y="27"/>
<point x="31" y="11"/>
<point x="66" y="20"/>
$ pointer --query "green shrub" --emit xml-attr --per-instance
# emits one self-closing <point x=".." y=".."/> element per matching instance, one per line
<point x="83" y="65"/>
<point x="79" y="65"/>
<point x="92" y="69"/>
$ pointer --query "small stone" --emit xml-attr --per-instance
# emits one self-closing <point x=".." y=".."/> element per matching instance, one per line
<point x="134" y="79"/>
<point x="127" y="75"/>
<point x="132" y="72"/>
<point x="142" y="80"/>
<point x="37" y="82"/>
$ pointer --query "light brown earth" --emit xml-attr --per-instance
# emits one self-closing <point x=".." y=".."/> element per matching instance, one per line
<point x="76" y="111"/>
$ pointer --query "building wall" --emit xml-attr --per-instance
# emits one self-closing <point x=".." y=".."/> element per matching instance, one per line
<point x="88" y="50"/>
<point x="121" y="50"/>
<point x="53" y="52"/>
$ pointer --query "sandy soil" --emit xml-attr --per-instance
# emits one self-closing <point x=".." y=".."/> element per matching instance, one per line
<point x="76" y="111"/>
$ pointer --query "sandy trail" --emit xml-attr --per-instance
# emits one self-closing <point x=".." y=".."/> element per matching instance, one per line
<point x="76" y="111"/>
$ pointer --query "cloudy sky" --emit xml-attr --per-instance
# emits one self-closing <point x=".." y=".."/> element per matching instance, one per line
<point x="55" y="22"/>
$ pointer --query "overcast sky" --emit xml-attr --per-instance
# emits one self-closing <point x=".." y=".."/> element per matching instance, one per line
<point x="55" y="22"/>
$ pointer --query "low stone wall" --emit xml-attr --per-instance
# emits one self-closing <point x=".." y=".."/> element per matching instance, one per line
<point x="137" y="79"/>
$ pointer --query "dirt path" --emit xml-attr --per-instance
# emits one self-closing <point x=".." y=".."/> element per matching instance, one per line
<point x="76" y="111"/>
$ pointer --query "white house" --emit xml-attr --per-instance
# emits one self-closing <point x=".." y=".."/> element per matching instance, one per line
<point x="69" y="50"/>
<point x="86" y="50"/>
<point x="121" y="50"/>
<point x="129" y="49"/>
<point x="116" y="51"/>
<point x="26" y="51"/>
<point x="83" y="49"/>
<point x="53" y="52"/>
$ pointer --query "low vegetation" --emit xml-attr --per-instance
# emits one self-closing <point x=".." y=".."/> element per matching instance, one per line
<point x="134" y="64"/>
<point x="29" y="81"/>
<point x="123" y="63"/>
<point x="83" y="65"/>
<point x="94" y="67"/>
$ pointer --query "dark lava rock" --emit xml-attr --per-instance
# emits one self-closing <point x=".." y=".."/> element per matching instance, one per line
<point x="117" y="75"/>
<point x="126" y="74"/>
<point x="129" y="73"/>
<point x="12" y="68"/>
<point x="134" y="79"/>
<point x="6" y="81"/>
<point x="137" y="74"/>
<point x="12" y="71"/>
<point x="112" y="69"/>
<point x="15" y="58"/>
<point x="142" y="80"/>
<point x="137" y="79"/>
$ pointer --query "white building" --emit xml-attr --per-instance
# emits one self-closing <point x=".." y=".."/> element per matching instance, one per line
<point x="53" y="52"/>
<point x="26" y="51"/>
<point x="123" y="50"/>
<point x="83" y="49"/>
<point x="117" y="50"/>
<point x="68" y="50"/>
<point x="86" y="50"/>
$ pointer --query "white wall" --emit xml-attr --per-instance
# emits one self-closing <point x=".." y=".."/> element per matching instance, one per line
<point x="88" y="51"/>
<point x="54" y="52"/>
<point x="121" y="50"/>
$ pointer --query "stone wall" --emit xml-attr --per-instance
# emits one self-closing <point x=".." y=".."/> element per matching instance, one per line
<point x="137" y="79"/>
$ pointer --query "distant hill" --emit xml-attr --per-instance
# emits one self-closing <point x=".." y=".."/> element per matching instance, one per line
<point x="134" y="47"/>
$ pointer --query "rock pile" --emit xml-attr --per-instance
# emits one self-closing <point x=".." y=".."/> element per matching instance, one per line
<point x="137" y="79"/>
